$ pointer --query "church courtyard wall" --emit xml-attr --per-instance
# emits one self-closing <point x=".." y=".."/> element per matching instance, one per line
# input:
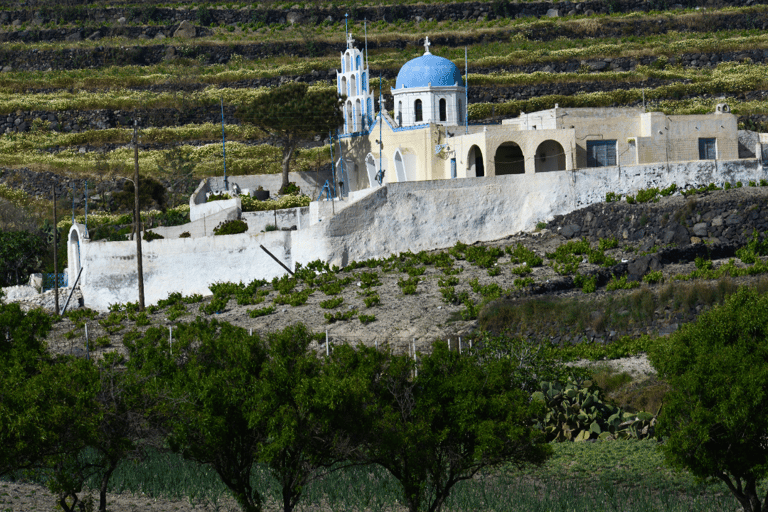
<point x="397" y="217"/>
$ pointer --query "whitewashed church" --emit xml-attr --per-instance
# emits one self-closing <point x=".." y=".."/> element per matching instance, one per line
<point x="428" y="137"/>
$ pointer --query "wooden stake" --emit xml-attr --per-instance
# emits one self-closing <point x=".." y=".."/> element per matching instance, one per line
<point x="137" y="214"/>
<point x="55" y="255"/>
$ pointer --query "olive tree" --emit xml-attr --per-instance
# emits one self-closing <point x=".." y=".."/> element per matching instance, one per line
<point x="715" y="417"/>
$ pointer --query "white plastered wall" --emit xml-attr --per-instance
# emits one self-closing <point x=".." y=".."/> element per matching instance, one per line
<point x="412" y="216"/>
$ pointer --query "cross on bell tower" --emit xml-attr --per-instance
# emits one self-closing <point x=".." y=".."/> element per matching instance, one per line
<point x="427" y="44"/>
<point x="350" y="41"/>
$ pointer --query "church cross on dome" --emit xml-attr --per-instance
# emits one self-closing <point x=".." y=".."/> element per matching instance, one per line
<point x="427" y="44"/>
<point x="350" y="41"/>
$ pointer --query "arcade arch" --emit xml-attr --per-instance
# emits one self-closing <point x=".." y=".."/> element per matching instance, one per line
<point x="550" y="156"/>
<point x="475" y="166"/>
<point x="509" y="159"/>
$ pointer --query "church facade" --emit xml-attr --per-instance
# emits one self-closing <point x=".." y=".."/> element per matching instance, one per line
<point x="428" y="136"/>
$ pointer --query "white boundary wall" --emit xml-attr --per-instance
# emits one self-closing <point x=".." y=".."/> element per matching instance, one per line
<point x="398" y="217"/>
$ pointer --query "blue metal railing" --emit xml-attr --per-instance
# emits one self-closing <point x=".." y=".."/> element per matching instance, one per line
<point x="48" y="281"/>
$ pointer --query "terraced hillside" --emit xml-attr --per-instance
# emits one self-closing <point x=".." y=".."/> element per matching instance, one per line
<point x="75" y="75"/>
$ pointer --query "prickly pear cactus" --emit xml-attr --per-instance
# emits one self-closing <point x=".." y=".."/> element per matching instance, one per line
<point x="578" y="413"/>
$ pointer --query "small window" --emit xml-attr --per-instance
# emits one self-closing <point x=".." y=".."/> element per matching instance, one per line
<point x="442" y="109"/>
<point x="707" y="149"/>
<point x="400" y="113"/>
<point x="417" y="110"/>
<point x="357" y="62"/>
<point x="601" y="153"/>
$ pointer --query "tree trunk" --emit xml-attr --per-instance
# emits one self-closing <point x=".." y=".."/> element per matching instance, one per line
<point x="288" y="148"/>
<point x="103" y="487"/>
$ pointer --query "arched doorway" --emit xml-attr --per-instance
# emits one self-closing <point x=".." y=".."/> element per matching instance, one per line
<point x="370" y="168"/>
<point x="509" y="159"/>
<point x="73" y="254"/>
<point x="400" y="167"/>
<point x="475" y="166"/>
<point x="550" y="156"/>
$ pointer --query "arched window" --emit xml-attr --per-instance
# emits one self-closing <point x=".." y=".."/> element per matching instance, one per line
<point x="442" y="109"/>
<point x="349" y="119"/>
<point x="357" y="62"/>
<point x="417" y="110"/>
<point x="344" y="91"/>
<point x="400" y="113"/>
<point x="353" y="88"/>
<point x="364" y="83"/>
<point x="349" y="62"/>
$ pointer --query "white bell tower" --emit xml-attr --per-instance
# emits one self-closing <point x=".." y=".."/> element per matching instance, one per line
<point x="353" y="82"/>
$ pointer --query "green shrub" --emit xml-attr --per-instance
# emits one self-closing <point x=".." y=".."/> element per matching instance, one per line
<point x="217" y="305"/>
<point x="185" y="235"/>
<point x="270" y="227"/>
<point x="294" y="299"/>
<point x="231" y="227"/>
<point x="151" y="235"/>
<point x="523" y="282"/>
<point x="415" y="271"/>
<point x="372" y="301"/>
<point x="668" y="191"/>
<point x="408" y="286"/>
<point x="176" y="311"/>
<point x="470" y="310"/>
<point x="612" y="197"/>
<point x="369" y="279"/>
<point x="521" y="254"/>
<point x="494" y="271"/>
<point x="332" y="303"/>
<point x="643" y="196"/>
<point x="339" y="316"/>
<point x="284" y="284"/>
<point x="450" y="281"/>
<point x="653" y="277"/>
<point x="607" y="243"/>
<point x="102" y="341"/>
<point x="255" y="313"/>
<point x="366" y="319"/>
<point x="621" y="284"/>
<point x="588" y="284"/>
<point x="218" y="197"/>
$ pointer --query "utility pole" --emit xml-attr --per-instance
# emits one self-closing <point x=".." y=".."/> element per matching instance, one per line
<point x="137" y="214"/>
<point x="55" y="255"/>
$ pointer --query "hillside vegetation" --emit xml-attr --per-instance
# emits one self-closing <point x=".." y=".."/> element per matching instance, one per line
<point x="75" y="76"/>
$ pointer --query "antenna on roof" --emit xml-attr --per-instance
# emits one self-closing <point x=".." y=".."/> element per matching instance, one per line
<point x="466" y="93"/>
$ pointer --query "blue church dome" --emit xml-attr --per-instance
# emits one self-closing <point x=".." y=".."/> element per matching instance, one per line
<point x="428" y="68"/>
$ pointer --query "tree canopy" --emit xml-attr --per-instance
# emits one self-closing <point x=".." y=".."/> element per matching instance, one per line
<point x="436" y="423"/>
<point x="715" y="417"/>
<point x="293" y="112"/>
